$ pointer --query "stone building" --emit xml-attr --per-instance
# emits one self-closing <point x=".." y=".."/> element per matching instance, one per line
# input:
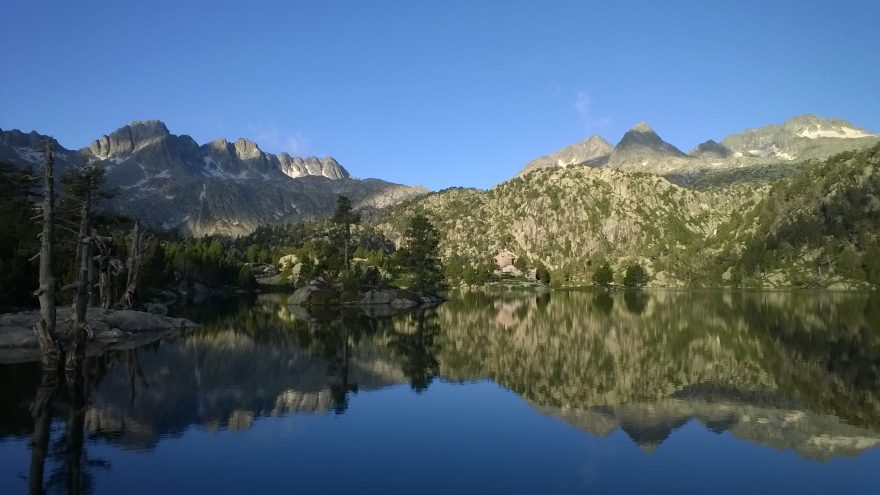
<point x="505" y="258"/>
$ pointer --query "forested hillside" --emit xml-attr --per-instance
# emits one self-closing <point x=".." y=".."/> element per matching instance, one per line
<point x="816" y="228"/>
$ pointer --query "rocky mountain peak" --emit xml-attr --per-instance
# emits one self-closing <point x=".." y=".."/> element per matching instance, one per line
<point x="129" y="138"/>
<point x="799" y="138"/>
<point x="247" y="149"/>
<point x="152" y="126"/>
<point x="218" y="144"/>
<point x="591" y="151"/>
<point x="642" y="136"/>
<point x="811" y="127"/>
<point x="710" y="149"/>
<point x="642" y="150"/>
<point x="643" y="127"/>
<point x="31" y="140"/>
<point x="299" y="167"/>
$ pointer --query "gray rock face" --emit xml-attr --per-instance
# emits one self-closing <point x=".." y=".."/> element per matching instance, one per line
<point x="16" y="138"/>
<point x="172" y="183"/>
<point x="21" y="148"/>
<point x="129" y="138"/>
<point x="592" y="151"/>
<point x="299" y="167"/>
<point x="242" y="159"/>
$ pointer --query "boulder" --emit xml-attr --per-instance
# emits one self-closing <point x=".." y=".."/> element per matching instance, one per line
<point x="430" y="299"/>
<point x="315" y="294"/>
<point x="157" y="309"/>
<point x="112" y="335"/>
<point x="379" y="297"/>
<point x="403" y="303"/>
<point x="290" y="259"/>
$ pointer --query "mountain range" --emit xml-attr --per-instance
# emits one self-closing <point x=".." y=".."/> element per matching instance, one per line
<point x="221" y="187"/>
<point x="784" y="205"/>
<point x="172" y="182"/>
<point x="769" y="151"/>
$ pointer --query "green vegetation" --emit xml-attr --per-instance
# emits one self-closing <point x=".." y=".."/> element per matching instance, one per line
<point x="818" y="226"/>
<point x="343" y="251"/>
<point x="418" y="257"/>
<point x="635" y="277"/>
<point x="168" y="258"/>
<point x="604" y="275"/>
<point x="18" y="237"/>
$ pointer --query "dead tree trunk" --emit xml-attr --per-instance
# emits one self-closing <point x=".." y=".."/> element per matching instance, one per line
<point x="42" y="415"/>
<point x="92" y="276"/>
<point x="45" y="327"/>
<point x="75" y="433"/>
<point x="129" y="298"/>
<point x="108" y="267"/>
<point x="104" y="283"/>
<point x="79" y="331"/>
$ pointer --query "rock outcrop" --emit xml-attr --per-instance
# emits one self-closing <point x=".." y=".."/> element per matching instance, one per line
<point x="111" y="329"/>
<point x="294" y="166"/>
<point x="315" y="294"/>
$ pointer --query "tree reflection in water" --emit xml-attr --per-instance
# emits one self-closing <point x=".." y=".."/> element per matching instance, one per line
<point x="73" y="469"/>
<point x="782" y="370"/>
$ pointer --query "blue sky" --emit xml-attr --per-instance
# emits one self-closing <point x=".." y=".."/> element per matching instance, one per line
<point x="439" y="93"/>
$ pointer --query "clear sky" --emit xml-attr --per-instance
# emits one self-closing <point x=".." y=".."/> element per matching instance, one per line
<point x="438" y="93"/>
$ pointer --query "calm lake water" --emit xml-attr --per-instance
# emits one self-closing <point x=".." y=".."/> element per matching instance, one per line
<point x="582" y="392"/>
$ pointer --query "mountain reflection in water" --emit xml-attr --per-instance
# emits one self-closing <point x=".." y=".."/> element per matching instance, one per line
<point x="788" y="371"/>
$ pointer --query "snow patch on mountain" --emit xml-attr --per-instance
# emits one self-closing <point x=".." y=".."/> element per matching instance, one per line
<point x="29" y="155"/>
<point x="840" y="132"/>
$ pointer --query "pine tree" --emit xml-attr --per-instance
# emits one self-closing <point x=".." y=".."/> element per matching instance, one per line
<point x="419" y="255"/>
<point x="604" y="275"/>
<point x="635" y="276"/>
<point x="342" y="220"/>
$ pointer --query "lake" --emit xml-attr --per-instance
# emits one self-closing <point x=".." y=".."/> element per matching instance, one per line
<point x="562" y="392"/>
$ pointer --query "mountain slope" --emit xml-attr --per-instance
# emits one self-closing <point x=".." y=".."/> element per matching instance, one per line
<point x="818" y="228"/>
<point x="567" y="218"/>
<point x="172" y="182"/>
<point x="591" y="151"/>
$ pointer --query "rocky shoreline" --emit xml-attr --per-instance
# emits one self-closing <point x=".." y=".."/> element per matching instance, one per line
<point x="318" y="294"/>
<point x="111" y="330"/>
